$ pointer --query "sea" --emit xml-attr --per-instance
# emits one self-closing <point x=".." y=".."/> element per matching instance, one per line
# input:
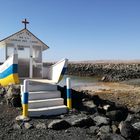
<point x="78" y="81"/>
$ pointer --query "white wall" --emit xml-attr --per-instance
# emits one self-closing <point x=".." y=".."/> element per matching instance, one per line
<point x="2" y="54"/>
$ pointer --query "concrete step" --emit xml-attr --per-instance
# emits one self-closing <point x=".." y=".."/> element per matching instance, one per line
<point x="45" y="103"/>
<point x="37" y="95"/>
<point x="48" y="111"/>
<point x="42" y="87"/>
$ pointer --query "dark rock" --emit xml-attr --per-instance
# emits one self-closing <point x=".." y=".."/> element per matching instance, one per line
<point x="116" y="115"/>
<point x="127" y="130"/>
<point x="94" y="130"/>
<point x="2" y="92"/>
<point x="112" y="137"/>
<point x="130" y="118"/>
<point x="121" y="107"/>
<point x="58" y="124"/>
<point x="96" y="99"/>
<point x="15" y="101"/>
<point x="12" y="95"/>
<point x="89" y="106"/>
<point x="41" y="126"/>
<point x="80" y="120"/>
<point x="136" y="126"/>
<point x="133" y="118"/>
<point x="105" y="129"/>
<point x="100" y="120"/>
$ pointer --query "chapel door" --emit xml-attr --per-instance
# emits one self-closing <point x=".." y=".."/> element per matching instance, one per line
<point x="23" y="61"/>
<point x="37" y="62"/>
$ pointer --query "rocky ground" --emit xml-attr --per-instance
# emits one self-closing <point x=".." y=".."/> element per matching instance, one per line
<point x="109" y="112"/>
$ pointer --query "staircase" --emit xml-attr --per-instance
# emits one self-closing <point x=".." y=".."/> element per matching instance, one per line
<point x="45" y="99"/>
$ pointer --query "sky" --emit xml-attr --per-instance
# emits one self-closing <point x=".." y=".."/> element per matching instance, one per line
<point x="77" y="29"/>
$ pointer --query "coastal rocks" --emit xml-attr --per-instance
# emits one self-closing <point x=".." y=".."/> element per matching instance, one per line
<point x="105" y="129"/>
<point x="116" y="115"/>
<point x="12" y="95"/>
<point x="108" y="71"/>
<point x="127" y="130"/>
<point x="94" y="130"/>
<point x="80" y="120"/>
<point x="112" y="137"/>
<point x="2" y="91"/>
<point x="58" y="124"/>
<point x="100" y="120"/>
<point x="89" y="106"/>
<point x="137" y="126"/>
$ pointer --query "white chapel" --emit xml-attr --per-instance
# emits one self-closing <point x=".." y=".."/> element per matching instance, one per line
<point x="29" y="49"/>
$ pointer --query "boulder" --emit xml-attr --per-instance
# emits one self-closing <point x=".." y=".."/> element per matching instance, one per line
<point x="133" y="118"/>
<point x="12" y="95"/>
<point x="94" y="130"/>
<point x="116" y="115"/>
<point x="89" y="106"/>
<point x="112" y="137"/>
<point x="105" y="129"/>
<point x="130" y="118"/>
<point x="127" y="130"/>
<point x="100" y="120"/>
<point x="2" y="91"/>
<point x="58" y="124"/>
<point x="136" y="126"/>
<point x="80" y="120"/>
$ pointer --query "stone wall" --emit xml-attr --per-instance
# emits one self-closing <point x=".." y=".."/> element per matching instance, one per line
<point x="107" y="72"/>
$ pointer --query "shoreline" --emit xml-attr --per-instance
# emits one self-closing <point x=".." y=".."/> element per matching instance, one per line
<point x="122" y="92"/>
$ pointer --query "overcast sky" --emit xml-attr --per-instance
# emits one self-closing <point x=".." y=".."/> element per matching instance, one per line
<point x="77" y="29"/>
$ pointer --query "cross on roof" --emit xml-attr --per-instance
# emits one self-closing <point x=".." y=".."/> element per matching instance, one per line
<point x="25" y="22"/>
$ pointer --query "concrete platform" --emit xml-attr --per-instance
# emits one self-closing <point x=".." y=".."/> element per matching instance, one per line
<point x="48" y="111"/>
<point x="35" y="104"/>
<point x="37" y="95"/>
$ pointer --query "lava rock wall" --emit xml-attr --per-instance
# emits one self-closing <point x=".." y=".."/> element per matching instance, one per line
<point x="107" y="72"/>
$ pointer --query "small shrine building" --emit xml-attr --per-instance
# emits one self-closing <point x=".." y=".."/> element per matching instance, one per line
<point x="29" y="49"/>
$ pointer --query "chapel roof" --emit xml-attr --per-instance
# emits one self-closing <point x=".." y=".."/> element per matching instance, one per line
<point x="26" y="30"/>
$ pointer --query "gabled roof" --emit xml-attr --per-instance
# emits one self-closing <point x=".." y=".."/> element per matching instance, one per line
<point x="44" y="45"/>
